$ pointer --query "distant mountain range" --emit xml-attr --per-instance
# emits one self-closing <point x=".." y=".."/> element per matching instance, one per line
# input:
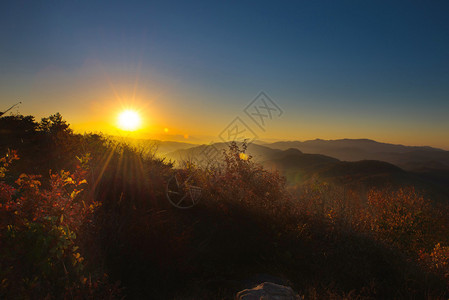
<point x="300" y="169"/>
<point x="356" y="163"/>
<point x="406" y="157"/>
<point x="411" y="158"/>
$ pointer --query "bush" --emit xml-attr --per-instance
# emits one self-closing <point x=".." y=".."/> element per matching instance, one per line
<point x="40" y="255"/>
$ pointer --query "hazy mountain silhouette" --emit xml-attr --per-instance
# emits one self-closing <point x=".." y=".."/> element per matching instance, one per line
<point x="406" y="157"/>
<point x="300" y="168"/>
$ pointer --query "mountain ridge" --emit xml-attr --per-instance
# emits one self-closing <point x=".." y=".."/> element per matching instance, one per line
<point x="407" y="157"/>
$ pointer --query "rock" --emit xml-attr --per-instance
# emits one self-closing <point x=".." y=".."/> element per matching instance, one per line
<point x="268" y="291"/>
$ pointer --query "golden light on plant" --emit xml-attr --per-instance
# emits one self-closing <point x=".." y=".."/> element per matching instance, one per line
<point x="243" y="156"/>
<point x="129" y="120"/>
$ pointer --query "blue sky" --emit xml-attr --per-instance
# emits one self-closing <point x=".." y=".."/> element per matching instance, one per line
<point x="374" y="69"/>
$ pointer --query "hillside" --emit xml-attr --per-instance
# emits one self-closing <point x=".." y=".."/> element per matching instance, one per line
<point x="159" y="147"/>
<point x="88" y="217"/>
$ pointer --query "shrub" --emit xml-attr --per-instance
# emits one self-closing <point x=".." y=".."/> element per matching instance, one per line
<point x="401" y="217"/>
<point x="40" y="256"/>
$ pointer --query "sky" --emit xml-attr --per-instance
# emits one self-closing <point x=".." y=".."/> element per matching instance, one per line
<point x="330" y="69"/>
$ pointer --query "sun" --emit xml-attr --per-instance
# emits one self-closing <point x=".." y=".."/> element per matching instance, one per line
<point x="129" y="120"/>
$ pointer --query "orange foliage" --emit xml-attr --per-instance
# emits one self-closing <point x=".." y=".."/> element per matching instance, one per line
<point x="402" y="217"/>
<point x="437" y="260"/>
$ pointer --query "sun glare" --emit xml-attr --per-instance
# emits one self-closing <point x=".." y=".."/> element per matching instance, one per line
<point x="129" y="120"/>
